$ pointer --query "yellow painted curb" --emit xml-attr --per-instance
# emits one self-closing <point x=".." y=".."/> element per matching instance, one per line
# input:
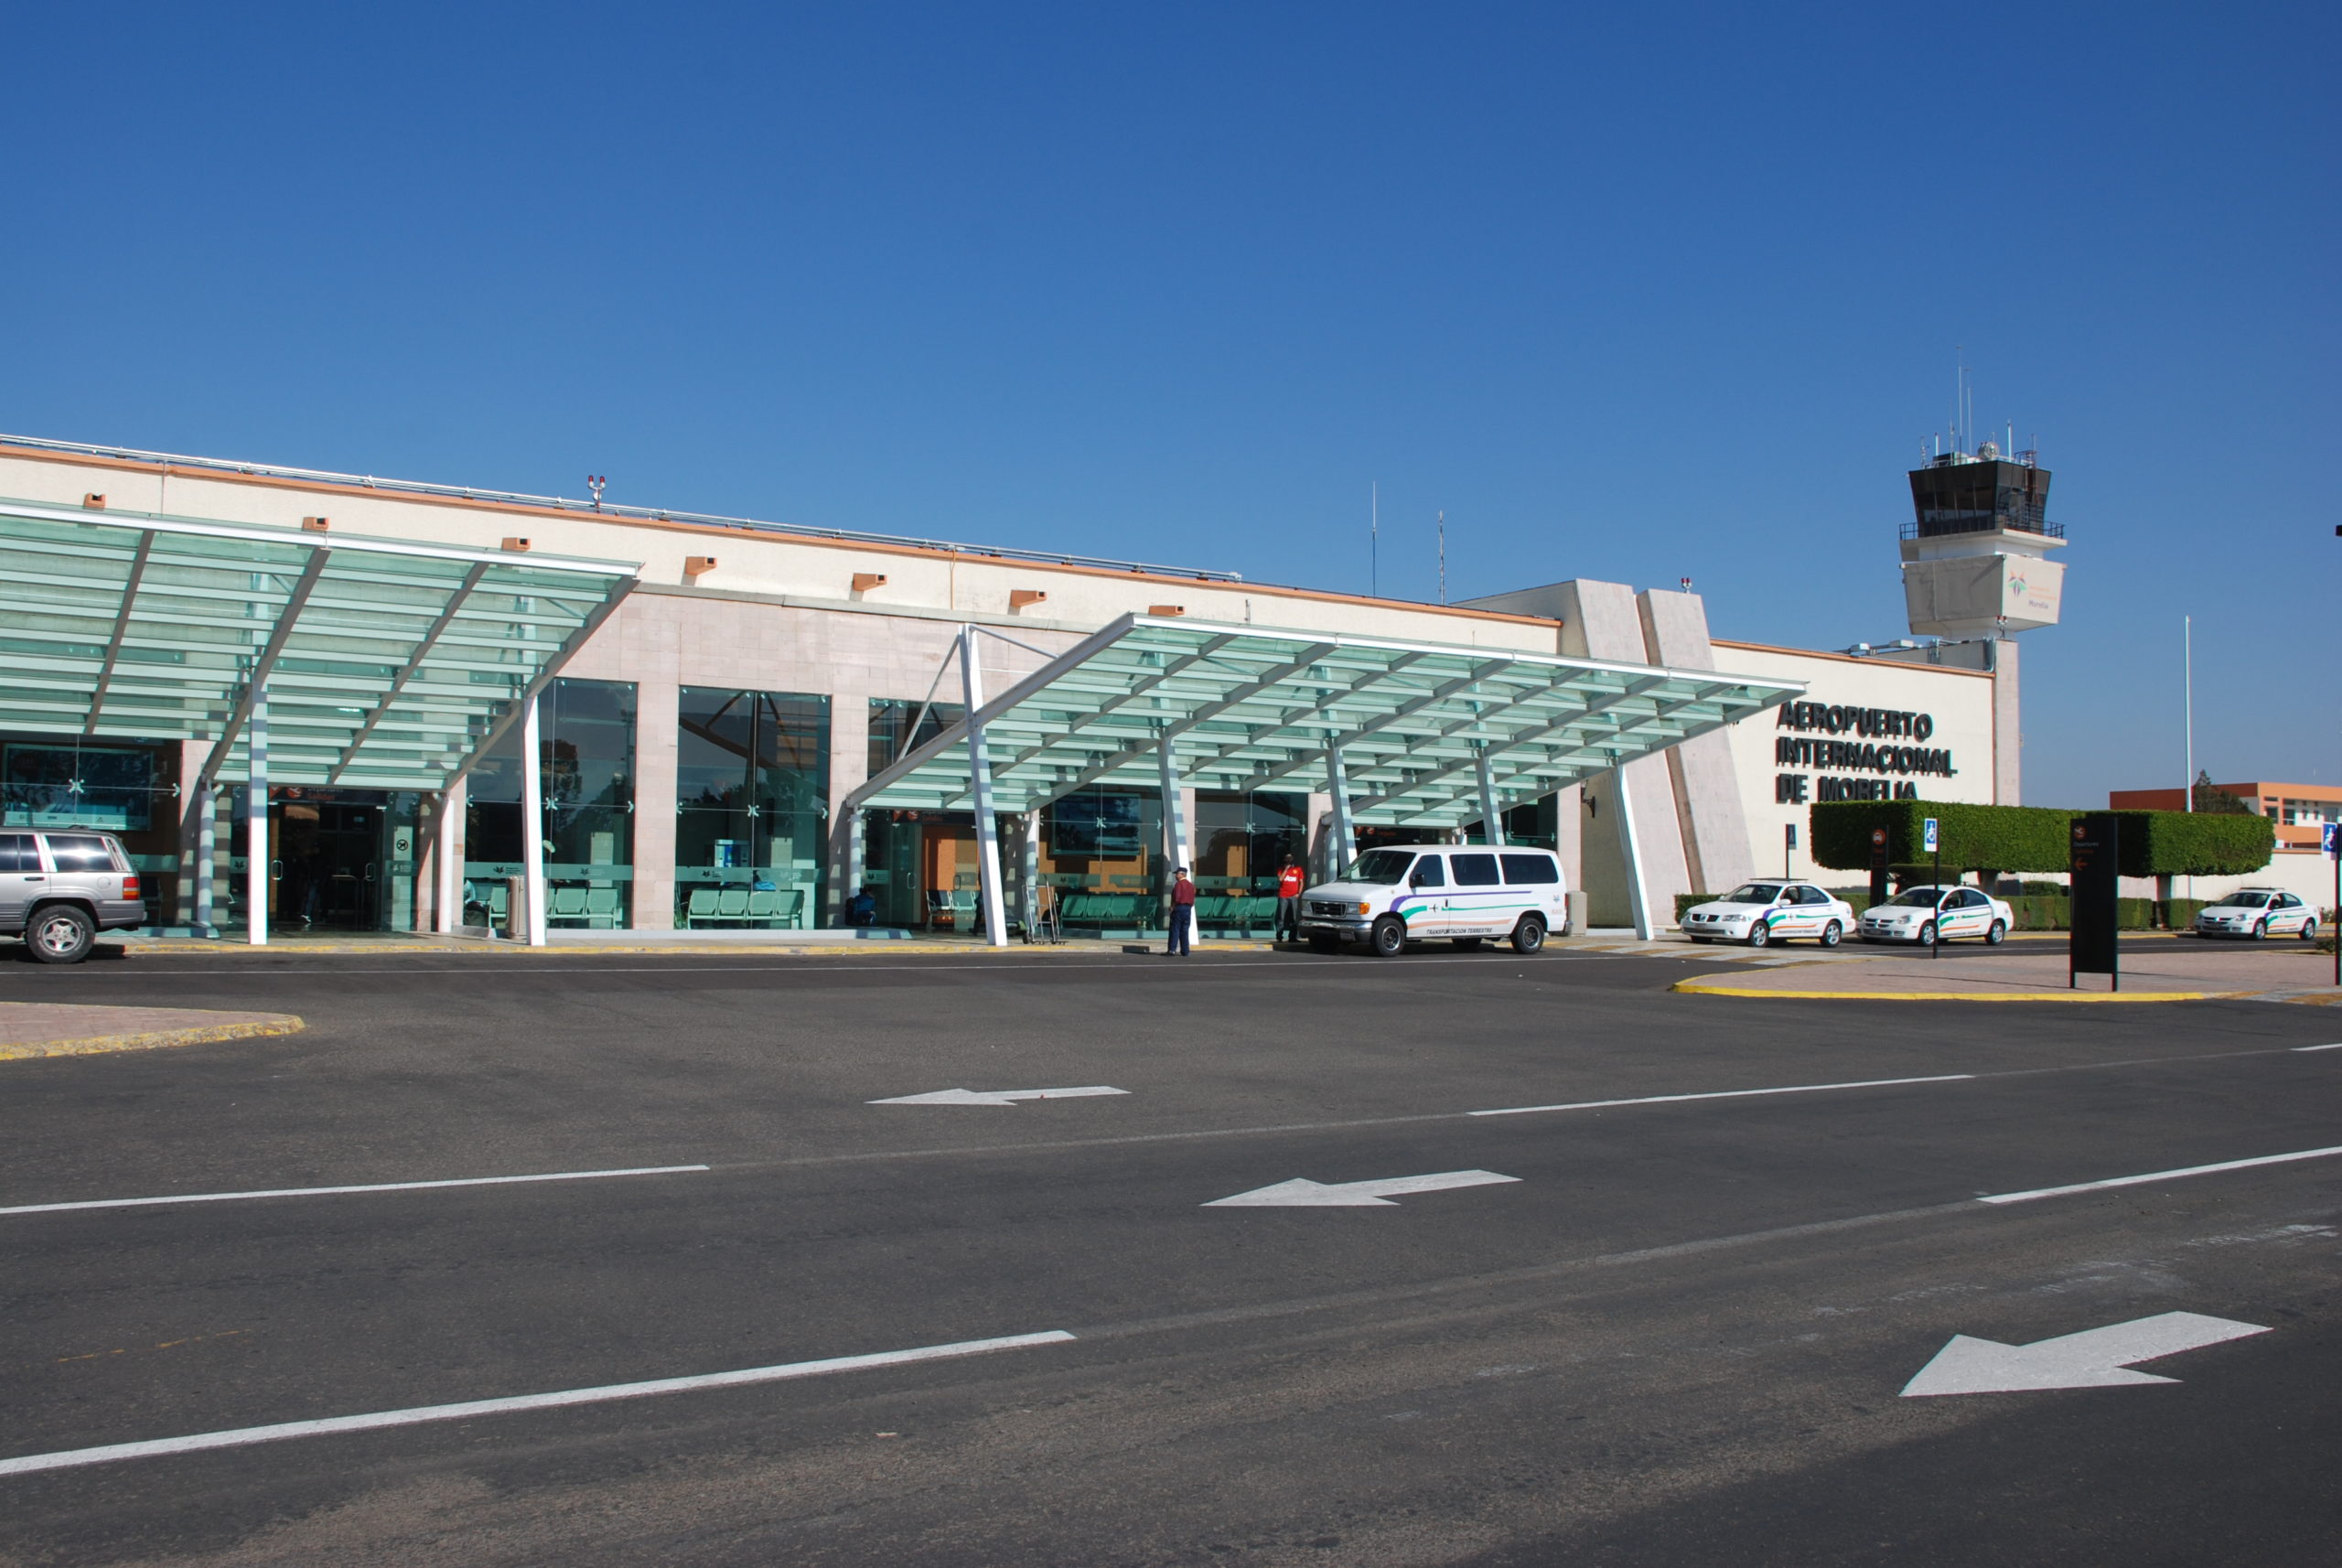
<point x="1701" y="988"/>
<point x="155" y="1039"/>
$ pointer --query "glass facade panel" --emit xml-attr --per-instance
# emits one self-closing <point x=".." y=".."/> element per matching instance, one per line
<point x="896" y="727"/>
<point x="1242" y="841"/>
<point x="587" y="739"/>
<point x="752" y="792"/>
<point x="1102" y="853"/>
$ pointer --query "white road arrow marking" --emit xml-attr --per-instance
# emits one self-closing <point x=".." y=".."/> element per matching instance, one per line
<point x="2094" y="1359"/>
<point x="1303" y="1193"/>
<point x="995" y="1096"/>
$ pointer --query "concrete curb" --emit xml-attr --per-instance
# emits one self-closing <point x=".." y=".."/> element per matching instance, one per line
<point x="729" y="949"/>
<point x="154" y="1039"/>
<point x="1704" y="988"/>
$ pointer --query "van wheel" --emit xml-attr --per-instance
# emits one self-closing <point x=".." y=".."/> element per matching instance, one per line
<point x="1830" y="933"/>
<point x="61" y="934"/>
<point x="1529" y="935"/>
<point x="1469" y="944"/>
<point x="1388" y="938"/>
<point x="1324" y="941"/>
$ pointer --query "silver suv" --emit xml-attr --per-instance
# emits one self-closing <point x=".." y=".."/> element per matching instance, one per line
<point x="59" y="891"/>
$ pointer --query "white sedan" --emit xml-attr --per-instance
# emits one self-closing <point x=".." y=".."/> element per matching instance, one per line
<point x="2257" y="912"/>
<point x="1930" y="915"/>
<point x="1760" y="913"/>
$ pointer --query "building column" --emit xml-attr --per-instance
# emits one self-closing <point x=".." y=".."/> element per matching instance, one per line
<point x="1177" y="850"/>
<point x="849" y="769"/>
<point x="1630" y="850"/>
<point x="972" y="689"/>
<point x="532" y="820"/>
<point x="206" y="855"/>
<point x="2008" y="734"/>
<point x="651" y="905"/>
<point x="256" y="821"/>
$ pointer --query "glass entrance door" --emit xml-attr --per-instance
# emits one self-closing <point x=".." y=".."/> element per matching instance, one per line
<point x="326" y="870"/>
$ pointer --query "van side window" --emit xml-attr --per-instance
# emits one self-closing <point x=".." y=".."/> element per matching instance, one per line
<point x="1530" y="870"/>
<point x="1476" y="870"/>
<point x="1428" y="872"/>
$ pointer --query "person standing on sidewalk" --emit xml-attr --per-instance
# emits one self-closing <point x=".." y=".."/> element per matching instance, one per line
<point x="1183" y="915"/>
<point x="1289" y="881"/>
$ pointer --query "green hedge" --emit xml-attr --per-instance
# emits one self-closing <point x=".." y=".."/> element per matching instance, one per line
<point x="1991" y="838"/>
<point x="2195" y="843"/>
<point x="2037" y="839"/>
<point x="2053" y="912"/>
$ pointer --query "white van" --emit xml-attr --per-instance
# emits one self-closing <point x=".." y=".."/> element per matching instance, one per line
<point x="1389" y="897"/>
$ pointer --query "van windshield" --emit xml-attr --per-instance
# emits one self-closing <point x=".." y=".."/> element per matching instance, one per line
<point x="1380" y="868"/>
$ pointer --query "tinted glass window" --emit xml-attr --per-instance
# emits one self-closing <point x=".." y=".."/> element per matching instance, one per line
<point x="1530" y="870"/>
<point x="1429" y="873"/>
<point x="1811" y="896"/>
<point x="16" y="852"/>
<point x="75" y="852"/>
<point x="1971" y="901"/>
<point x="1379" y="867"/>
<point x="1476" y="871"/>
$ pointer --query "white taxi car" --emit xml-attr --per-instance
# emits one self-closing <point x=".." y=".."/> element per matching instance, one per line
<point x="2257" y="912"/>
<point x="1930" y="915"/>
<point x="1760" y="913"/>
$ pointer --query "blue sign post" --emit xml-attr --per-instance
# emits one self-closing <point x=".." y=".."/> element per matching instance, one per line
<point x="1932" y="841"/>
<point x="2334" y="853"/>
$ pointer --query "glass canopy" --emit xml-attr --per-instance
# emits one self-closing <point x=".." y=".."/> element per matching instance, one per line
<point x="1249" y="707"/>
<point x="386" y="662"/>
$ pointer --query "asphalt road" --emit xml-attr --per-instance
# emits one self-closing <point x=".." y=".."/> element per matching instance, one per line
<point x="1680" y="1334"/>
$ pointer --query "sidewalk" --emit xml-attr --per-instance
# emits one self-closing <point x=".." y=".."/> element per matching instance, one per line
<point x="58" y="1029"/>
<point x="2173" y="973"/>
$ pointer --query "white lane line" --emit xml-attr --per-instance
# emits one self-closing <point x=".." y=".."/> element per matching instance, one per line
<point x="2333" y="1047"/>
<point x="2159" y="1175"/>
<point x="328" y="1191"/>
<point x="245" y="1437"/>
<point x="1723" y="1094"/>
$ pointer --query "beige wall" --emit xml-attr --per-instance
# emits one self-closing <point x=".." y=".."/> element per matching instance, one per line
<point x="1959" y="701"/>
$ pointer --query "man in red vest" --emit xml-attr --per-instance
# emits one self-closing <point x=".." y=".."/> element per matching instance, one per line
<point x="1289" y="881"/>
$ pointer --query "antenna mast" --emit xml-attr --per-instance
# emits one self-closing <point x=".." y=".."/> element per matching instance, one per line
<point x="1374" y="539"/>
<point x="1443" y="557"/>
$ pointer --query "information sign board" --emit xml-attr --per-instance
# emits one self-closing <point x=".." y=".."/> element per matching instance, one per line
<point x="2095" y="859"/>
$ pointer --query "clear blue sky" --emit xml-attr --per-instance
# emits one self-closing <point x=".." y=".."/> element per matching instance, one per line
<point x="1637" y="293"/>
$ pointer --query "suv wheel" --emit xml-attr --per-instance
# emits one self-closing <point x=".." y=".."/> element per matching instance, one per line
<point x="61" y="934"/>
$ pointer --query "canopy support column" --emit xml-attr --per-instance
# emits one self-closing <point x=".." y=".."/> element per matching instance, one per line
<point x="1030" y="892"/>
<point x="1492" y="822"/>
<point x="1175" y="845"/>
<point x="849" y="864"/>
<point x="1630" y="851"/>
<point x="1344" y="842"/>
<point x="446" y="858"/>
<point x="532" y="820"/>
<point x="971" y="692"/>
<point x="257" y="817"/>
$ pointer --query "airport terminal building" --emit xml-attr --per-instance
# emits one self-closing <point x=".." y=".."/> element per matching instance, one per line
<point x="424" y="705"/>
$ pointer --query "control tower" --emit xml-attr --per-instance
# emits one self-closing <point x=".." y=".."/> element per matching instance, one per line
<point x="1976" y="555"/>
<point x="1976" y="571"/>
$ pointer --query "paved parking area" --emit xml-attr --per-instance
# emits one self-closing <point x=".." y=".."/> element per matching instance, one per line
<point x="1539" y="1263"/>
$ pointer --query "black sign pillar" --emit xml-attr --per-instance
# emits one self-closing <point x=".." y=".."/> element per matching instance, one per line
<point x="2096" y="856"/>
<point x="1877" y="866"/>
